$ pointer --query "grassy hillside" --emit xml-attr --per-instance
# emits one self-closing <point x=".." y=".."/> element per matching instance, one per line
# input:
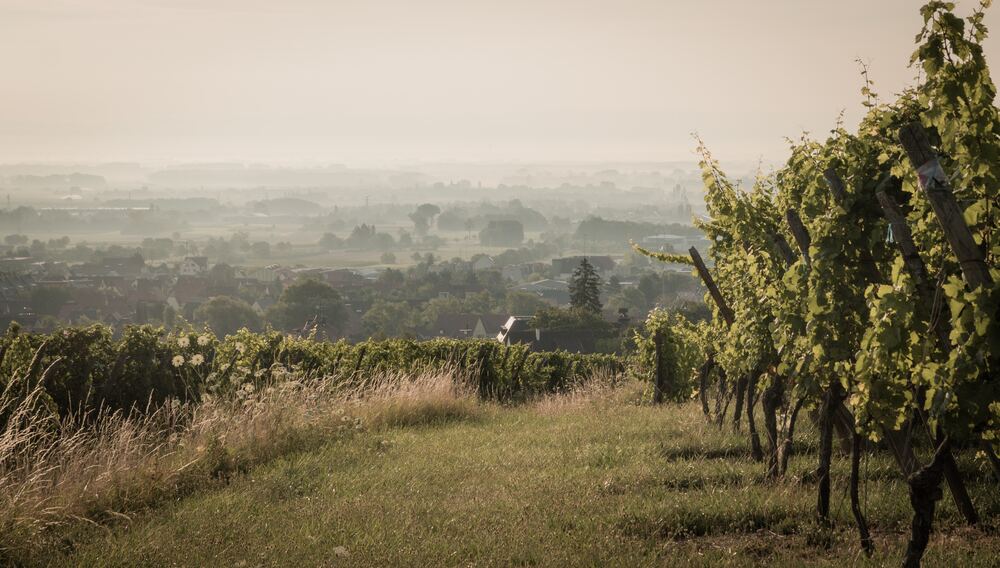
<point x="589" y="479"/>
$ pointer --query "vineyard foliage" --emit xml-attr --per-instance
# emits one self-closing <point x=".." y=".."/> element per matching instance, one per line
<point x="82" y="369"/>
<point x="845" y="313"/>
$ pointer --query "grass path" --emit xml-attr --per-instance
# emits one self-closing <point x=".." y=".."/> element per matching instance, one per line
<point x="597" y="485"/>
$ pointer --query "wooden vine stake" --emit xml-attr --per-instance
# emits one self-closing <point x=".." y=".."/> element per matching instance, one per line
<point x="942" y="331"/>
<point x="800" y="233"/>
<point x="659" y="383"/>
<point x="937" y="188"/>
<point x="744" y="384"/>
<point x="925" y="484"/>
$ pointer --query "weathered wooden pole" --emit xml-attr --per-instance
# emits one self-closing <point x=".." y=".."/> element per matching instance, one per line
<point x="786" y="252"/>
<point x="713" y="289"/>
<point x="744" y="384"/>
<point x="942" y="331"/>
<point x="800" y="233"/>
<point x="937" y="188"/>
<point x="659" y="381"/>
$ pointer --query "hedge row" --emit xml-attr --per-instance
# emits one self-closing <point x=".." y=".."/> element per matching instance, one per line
<point x="85" y="368"/>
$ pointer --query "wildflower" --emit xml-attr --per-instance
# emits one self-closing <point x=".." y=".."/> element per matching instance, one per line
<point x="178" y="360"/>
<point x="240" y="347"/>
<point x="197" y="359"/>
<point x="203" y="340"/>
<point x="184" y="342"/>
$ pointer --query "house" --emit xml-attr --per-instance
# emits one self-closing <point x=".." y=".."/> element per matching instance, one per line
<point x="518" y="330"/>
<point x="483" y="262"/>
<point x="123" y="265"/>
<point x="193" y="266"/>
<point x="566" y="265"/>
<point x="187" y="292"/>
<point x="466" y="326"/>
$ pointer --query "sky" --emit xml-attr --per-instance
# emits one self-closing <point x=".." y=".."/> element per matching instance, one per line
<point x="381" y="82"/>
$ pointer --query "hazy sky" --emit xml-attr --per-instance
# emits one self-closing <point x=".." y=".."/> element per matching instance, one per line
<point x="384" y="81"/>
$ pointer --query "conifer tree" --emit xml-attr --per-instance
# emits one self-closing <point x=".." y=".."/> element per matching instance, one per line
<point x="585" y="288"/>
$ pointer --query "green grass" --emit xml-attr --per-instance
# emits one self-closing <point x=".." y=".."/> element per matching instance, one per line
<point x="590" y="484"/>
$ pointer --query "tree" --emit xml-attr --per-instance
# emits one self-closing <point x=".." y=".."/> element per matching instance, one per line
<point x="261" y="249"/>
<point x="308" y="301"/>
<point x="388" y="258"/>
<point x="585" y="288"/>
<point x="423" y="217"/>
<point x="16" y="240"/>
<point x="523" y="303"/>
<point x="226" y="315"/>
<point x="506" y="233"/>
<point x="330" y="241"/>
<point x="570" y="319"/>
<point x="614" y="285"/>
<point x="390" y="319"/>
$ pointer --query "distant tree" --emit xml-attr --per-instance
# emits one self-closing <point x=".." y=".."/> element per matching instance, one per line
<point x="330" y="241"/>
<point x="261" y="249"/>
<point x="585" y="288"/>
<point x="60" y="243"/>
<point x="169" y="316"/>
<point x="504" y="233"/>
<point x="576" y="319"/>
<point x="614" y="285"/>
<point x="222" y="279"/>
<point x="226" y="315"/>
<point x="423" y="217"/>
<point x="390" y="278"/>
<point x="390" y="319"/>
<point x="306" y="301"/>
<point x="16" y="240"/>
<point x="519" y="303"/>
<point x="48" y="300"/>
<point x="388" y="258"/>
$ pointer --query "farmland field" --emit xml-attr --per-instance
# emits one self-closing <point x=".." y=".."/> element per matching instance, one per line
<point x="602" y="481"/>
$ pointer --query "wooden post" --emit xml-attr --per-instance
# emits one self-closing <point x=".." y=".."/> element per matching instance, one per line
<point x="937" y="188"/>
<point x="784" y="249"/>
<point x="658" y="378"/>
<point x="839" y="192"/>
<point x="756" y="451"/>
<point x="799" y="232"/>
<point x="915" y="266"/>
<point x="706" y="277"/>
<point x="926" y="293"/>
<point x="837" y="188"/>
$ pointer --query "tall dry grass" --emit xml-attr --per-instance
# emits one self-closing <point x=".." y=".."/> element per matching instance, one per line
<point x="599" y="388"/>
<point x="95" y="469"/>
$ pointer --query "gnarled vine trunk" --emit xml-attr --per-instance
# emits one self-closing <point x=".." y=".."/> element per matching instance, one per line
<point x="770" y="402"/>
<point x="925" y="492"/>
<point x="867" y="544"/>
<point x="756" y="452"/>
<point x="831" y="399"/>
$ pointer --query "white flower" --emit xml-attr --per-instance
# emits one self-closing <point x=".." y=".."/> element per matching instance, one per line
<point x="204" y="340"/>
<point x="183" y="342"/>
<point x="240" y="347"/>
<point x="197" y="359"/>
<point x="178" y="360"/>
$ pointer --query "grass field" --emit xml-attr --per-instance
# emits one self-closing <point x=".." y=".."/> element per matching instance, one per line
<point x="582" y="481"/>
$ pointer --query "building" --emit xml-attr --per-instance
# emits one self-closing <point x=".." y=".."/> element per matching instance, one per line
<point x="193" y="266"/>
<point x="466" y="326"/>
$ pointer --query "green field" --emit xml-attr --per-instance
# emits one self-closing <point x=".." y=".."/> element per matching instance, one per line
<point x="602" y="481"/>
